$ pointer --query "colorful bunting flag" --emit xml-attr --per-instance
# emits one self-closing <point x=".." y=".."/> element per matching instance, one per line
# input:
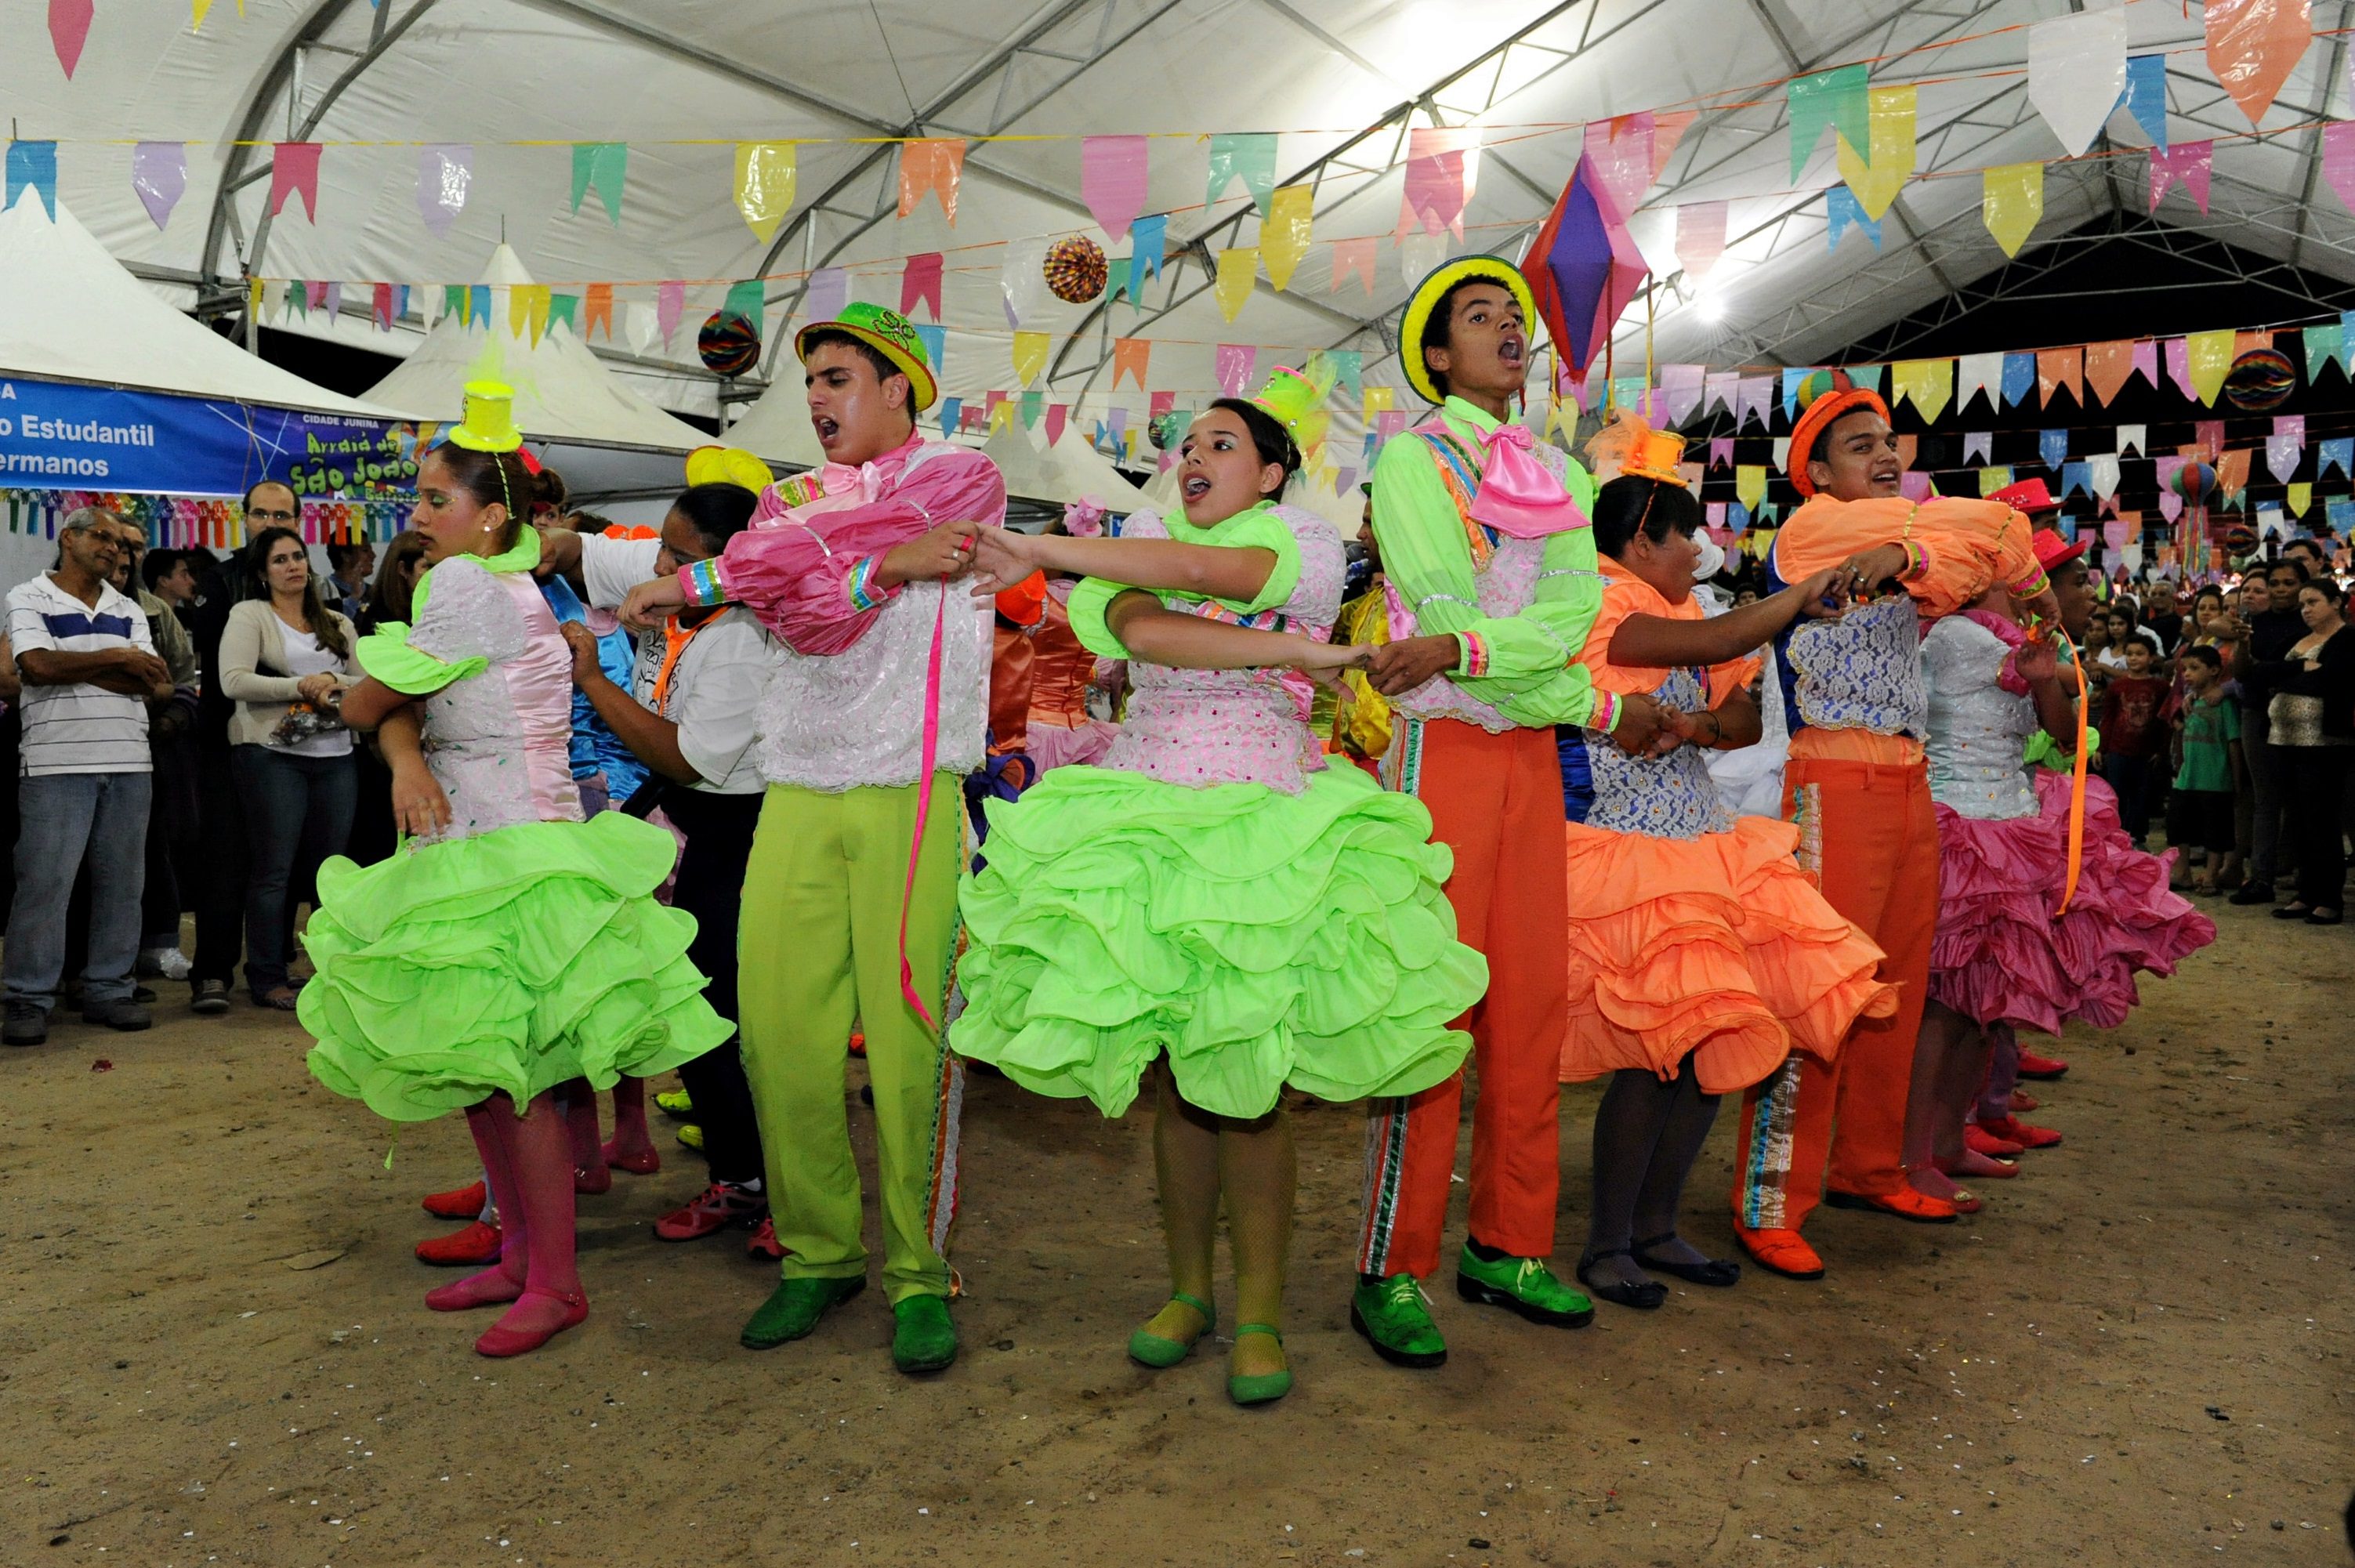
<point x="2186" y="164"/>
<point x="2107" y="366"/>
<point x="33" y="165"/>
<point x="1442" y="165"/>
<point x="1992" y="479"/>
<point x="2253" y="45"/>
<point x="1130" y="356"/>
<point x="380" y="306"/>
<point x="603" y="166"/>
<point x="1148" y="238"/>
<point x="765" y="175"/>
<point x="1750" y="484"/>
<point x="1834" y="99"/>
<point x="1283" y="233"/>
<point x="1978" y="375"/>
<point x="920" y="283"/>
<point x="2337" y="453"/>
<point x="1842" y="212"/>
<point x="671" y="303"/>
<point x="2018" y="377"/>
<point x="2283" y="455"/>
<point x="2209" y="355"/>
<point x="1030" y="356"/>
<point x="1057" y="415"/>
<point x="444" y="172"/>
<point x="2011" y="200"/>
<point x="2338" y="159"/>
<point x="1022" y="280"/>
<point x="1977" y="445"/>
<point x="2300" y="499"/>
<point x="930" y="166"/>
<point x="1620" y="152"/>
<point x="2102" y="474"/>
<point x="828" y="291"/>
<point x="1350" y="364"/>
<point x="1238" y="271"/>
<point x="1879" y="171"/>
<point x="935" y="339"/>
<point x="1234" y="362"/>
<point x="1248" y="157"/>
<point x="2130" y="439"/>
<point x="2052" y="446"/>
<point x="70" y="23"/>
<point x="294" y="171"/>
<point x="2323" y="345"/>
<point x="951" y="415"/>
<point x="1700" y="236"/>
<point x="1034" y="403"/>
<point x="2060" y="370"/>
<point x="1929" y="384"/>
<point x="564" y="309"/>
<point x="159" y="174"/>
<point x="1113" y="177"/>
<point x="2146" y="96"/>
<point x="597" y="310"/>
<point x="2076" y="69"/>
<point x="1353" y="257"/>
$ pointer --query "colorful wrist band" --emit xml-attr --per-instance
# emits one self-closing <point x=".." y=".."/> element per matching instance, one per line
<point x="864" y="594"/>
<point x="1474" y="662"/>
<point x="2029" y="587"/>
<point x="699" y="583"/>
<point x="1606" y="716"/>
<point x="1917" y="560"/>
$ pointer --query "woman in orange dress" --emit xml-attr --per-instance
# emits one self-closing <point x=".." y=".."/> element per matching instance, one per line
<point x="1700" y="956"/>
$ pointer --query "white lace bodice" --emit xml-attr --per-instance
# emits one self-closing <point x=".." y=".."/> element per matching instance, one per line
<point x="1978" y="731"/>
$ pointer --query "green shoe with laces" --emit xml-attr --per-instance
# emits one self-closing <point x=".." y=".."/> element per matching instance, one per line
<point x="924" y="1339"/>
<point x="794" y="1308"/>
<point x="1391" y="1315"/>
<point x="1259" y="1388"/>
<point x="677" y="1104"/>
<point x="1159" y="1351"/>
<point x="1525" y="1286"/>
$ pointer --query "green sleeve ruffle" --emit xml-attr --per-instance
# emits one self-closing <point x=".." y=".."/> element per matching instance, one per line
<point x="1090" y="598"/>
<point x="1258" y="528"/>
<point x="385" y="654"/>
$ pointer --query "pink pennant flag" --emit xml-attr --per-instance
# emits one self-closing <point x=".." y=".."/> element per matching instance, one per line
<point x="2179" y="366"/>
<point x="1620" y="153"/>
<point x="1753" y="396"/>
<point x="1057" y="414"/>
<point x="380" y="306"/>
<point x="69" y="30"/>
<point x="1680" y="387"/>
<point x="2170" y="504"/>
<point x="1442" y="166"/>
<point x="829" y="292"/>
<point x="1721" y="452"/>
<point x="2145" y="360"/>
<point x="314" y="293"/>
<point x="1389" y="423"/>
<point x="159" y="173"/>
<point x="2338" y="155"/>
<point x="670" y="301"/>
<point x="1667" y="130"/>
<point x="1700" y="236"/>
<point x="1353" y="256"/>
<point x="920" y="284"/>
<point x="2186" y="163"/>
<point x="2208" y="435"/>
<point x="2290" y="427"/>
<point x="444" y="171"/>
<point x="294" y="171"/>
<point x="1112" y="179"/>
<point x="1718" y="389"/>
<point x="1160" y="404"/>
<point x="1234" y="367"/>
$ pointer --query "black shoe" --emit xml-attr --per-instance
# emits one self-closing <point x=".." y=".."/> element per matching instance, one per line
<point x="2318" y="918"/>
<point x="209" y="997"/>
<point x="2252" y="893"/>
<point x="1717" y="1273"/>
<point x="143" y="995"/>
<point x="27" y="1024"/>
<point x="122" y="1013"/>
<point x="2292" y="911"/>
<point x="1644" y="1298"/>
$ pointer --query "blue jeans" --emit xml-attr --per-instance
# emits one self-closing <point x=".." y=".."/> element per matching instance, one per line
<point x="65" y="816"/>
<point x="298" y="811"/>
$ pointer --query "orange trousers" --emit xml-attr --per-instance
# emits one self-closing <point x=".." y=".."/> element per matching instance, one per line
<point x="1495" y="801"/>
<point x="1868" y="833"/>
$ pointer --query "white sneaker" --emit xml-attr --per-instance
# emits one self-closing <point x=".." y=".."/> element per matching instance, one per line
<point x="167" y="962"/>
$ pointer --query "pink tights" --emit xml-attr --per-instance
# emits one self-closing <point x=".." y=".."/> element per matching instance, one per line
<point x="527" y="1160"/>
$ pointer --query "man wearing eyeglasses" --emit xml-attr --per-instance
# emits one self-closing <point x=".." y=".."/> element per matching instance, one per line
<point x="90" y="669"/>
<point x="220" y="895"/>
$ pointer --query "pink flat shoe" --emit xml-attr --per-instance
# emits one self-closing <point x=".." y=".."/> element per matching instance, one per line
<point x="499" y="1340"/>
<point x="645" y="1162"/>
<point x="491" y="1287"/>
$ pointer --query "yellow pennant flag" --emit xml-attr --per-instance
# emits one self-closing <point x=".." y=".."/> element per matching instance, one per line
<point x="2209" y="355"/>
<point x="1029" y="355"/>
<point x="1930" y="383"/>
<point x="764" y="185"/>
<point x="2011" y="200"/>
<point x="1379" y="400"/>
<point x="1750" y="484"/>
<point x="1283" y="233"/>
<point x="2301" y="497"/>
<point x="527" y="308"/>
<point x="1002" y="416"/>
<point x="253" y="299"/>
<point x="1878" y="173"/>
<point x="1992" y="479"/>
<point x="1238" y="270"/>
<point x="197" y="9"/>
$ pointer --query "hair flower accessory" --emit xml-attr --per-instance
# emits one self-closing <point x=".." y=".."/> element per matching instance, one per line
<point x="1083" y="519"/>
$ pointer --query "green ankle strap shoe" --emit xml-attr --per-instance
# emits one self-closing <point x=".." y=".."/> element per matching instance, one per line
<point x="1259" y="1388"/>
<point x="1158" y="1351"/>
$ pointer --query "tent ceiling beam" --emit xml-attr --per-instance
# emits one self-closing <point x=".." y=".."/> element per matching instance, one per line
<point x="1395" y="121"/>
<point x="2313" y="173"/>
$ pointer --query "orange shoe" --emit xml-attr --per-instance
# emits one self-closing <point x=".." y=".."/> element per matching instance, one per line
<point x="1980" y="1141"/>
<point x="1785" y="1253"/>
<point x="2021" y="1133"/>
<point x="477" y="1244"/>
<point x="466" y="1202"/>
<point x="1903" y="1202"/>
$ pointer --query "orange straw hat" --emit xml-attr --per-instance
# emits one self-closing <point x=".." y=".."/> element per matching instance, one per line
<point x="1823" y="397"/>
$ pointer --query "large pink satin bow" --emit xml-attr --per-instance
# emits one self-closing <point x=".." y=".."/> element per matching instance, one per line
<point x="1519" y="495"/>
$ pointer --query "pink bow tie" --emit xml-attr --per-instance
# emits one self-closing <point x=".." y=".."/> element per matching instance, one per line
<point x="1519" y="495"/>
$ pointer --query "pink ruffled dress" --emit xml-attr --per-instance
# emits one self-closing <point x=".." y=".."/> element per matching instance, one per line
<point x="2003" y="858"/>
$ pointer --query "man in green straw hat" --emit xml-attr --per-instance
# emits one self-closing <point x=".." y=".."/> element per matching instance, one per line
<point x="874" y="712"/>
<point x="1485" y="540"/>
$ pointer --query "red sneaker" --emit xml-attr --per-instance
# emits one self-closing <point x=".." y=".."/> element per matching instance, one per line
<point x="1785" y="1253"/>
<point x="763" y="1243"/>
<point x="2021" y="1133"/>
<point x="462" y="1203"/>
<point x="1979" y="1140"/>
<point x="476" y="1244"/>
<point x="719" y="1206"/>
<point x="2034" y="1066"/>
<point x="2023" y="1102"/>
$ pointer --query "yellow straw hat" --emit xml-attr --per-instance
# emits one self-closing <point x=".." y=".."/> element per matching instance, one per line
<point x="1425" y="299"/>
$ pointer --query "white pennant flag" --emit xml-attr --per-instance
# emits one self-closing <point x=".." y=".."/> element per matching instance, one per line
<point x="1976" y="444"/>
<point x="2101" y="471"/>
<point x="2130" y="437"/>
<point x="1978" y="373"/>
<point x="2076" y="72"/>
<point x="642" y="322"/>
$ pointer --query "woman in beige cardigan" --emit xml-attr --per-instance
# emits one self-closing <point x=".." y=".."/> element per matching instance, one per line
<point x="285" y="659"/>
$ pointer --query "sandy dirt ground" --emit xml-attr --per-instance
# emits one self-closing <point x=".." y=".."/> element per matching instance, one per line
<point x="212" y="1348"/>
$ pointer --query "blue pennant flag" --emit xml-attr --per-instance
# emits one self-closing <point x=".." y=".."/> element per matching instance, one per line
<point x="2054" y="445"/>
<point x="2019" y="377"/>
<point x="1843" y="211"/>
<point x="2146" y="96"/>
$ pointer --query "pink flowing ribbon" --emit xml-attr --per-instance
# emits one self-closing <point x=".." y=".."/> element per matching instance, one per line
<point x="1518" y="497"/>
<point x="923" y="800"/>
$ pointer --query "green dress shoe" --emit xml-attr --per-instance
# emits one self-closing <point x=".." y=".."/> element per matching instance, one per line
<point x="1158" y="1351"/>
<point x="1390" y="1314"/>
<point x="1525" y="1286"/>
<point x="794" y="1308"/>
<point x="675" y="1103"/>
<point x="924" y="1338"/>
<point x="1259" y="1388"/>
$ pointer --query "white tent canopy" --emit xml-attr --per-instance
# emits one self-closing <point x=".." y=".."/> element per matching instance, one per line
<point x="68" y="312"/>
<point x="1341" y="84"/>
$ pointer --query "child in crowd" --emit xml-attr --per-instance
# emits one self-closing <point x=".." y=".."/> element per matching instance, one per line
<point x="2207" y="740"/>
<point x="2132" y="728"/>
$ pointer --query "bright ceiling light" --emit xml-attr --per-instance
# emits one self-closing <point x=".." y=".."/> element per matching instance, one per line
<point x="1708" y="306"/>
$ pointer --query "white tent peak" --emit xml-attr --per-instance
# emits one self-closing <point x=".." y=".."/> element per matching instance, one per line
<point x="71" y="312"/>
<point x="562" y="393"/>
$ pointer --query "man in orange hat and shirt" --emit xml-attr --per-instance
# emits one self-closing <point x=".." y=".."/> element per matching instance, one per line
<point x="1858" y="784"/>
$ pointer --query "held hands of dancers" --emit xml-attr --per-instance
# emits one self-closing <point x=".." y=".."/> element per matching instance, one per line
<point x="1403" y="666"/>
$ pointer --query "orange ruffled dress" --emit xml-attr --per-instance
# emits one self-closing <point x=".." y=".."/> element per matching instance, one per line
<point x="1693" y="931"/>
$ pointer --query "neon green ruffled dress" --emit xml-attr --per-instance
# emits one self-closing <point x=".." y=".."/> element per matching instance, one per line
<point x="1215" y="892"/>
<point x="523" y="947"/>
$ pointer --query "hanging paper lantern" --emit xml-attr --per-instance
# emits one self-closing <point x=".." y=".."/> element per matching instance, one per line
<point x="2260" y="380"/>
<point x="2241" y="540"/>
<point x="729" y="344"/>
<point x="1075" y="270"/>
<point x="1167" y="431"/>
<point x="2194" y="482"/>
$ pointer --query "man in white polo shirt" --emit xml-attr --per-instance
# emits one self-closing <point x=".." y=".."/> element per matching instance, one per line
<point x="90" y="668"/>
